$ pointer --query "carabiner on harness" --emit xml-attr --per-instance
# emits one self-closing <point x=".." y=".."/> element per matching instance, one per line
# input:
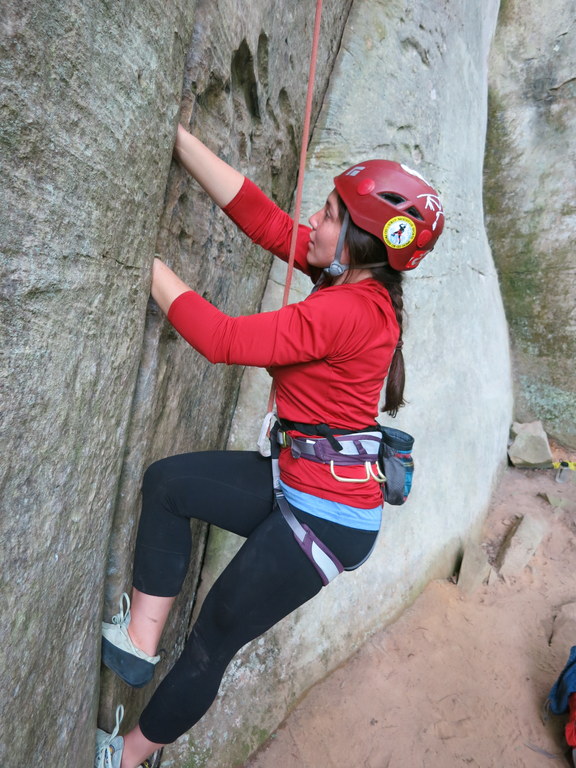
<point x="378" y="476"/>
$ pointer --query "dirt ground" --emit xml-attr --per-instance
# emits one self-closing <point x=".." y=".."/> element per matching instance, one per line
<point x="459" y="679"/>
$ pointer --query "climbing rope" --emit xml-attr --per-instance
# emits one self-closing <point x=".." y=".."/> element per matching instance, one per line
<point x="302" y="167"/>
<point x="303" y="149"/>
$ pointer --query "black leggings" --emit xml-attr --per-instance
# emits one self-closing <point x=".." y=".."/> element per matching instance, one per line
<point x="266" y="580"/>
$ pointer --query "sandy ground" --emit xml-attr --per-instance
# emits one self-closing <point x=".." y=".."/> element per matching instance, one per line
<point x="459" y="679"/>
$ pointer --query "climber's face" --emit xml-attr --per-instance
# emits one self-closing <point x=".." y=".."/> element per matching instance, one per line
<point x="326" y="227"/>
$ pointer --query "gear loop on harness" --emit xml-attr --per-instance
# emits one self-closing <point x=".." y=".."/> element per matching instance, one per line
<point x="351" y="479"/>
<point x="264" y="436"/>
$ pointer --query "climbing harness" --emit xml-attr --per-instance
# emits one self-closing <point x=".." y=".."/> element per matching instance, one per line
<point x="326" y="563"/>
<point x="376" y="448"/>
<point x="385" y="452"/>
<point x="356" y="448"/>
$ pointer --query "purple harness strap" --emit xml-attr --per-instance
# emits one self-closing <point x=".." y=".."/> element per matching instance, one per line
<point x="356" y="448"/>
<point x="325" y="561"/>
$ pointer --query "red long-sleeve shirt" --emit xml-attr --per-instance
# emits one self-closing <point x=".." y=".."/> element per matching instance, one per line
<point x="329" y="354"/>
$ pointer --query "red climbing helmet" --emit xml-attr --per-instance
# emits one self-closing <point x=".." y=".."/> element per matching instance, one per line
<point x="397" y="205"/>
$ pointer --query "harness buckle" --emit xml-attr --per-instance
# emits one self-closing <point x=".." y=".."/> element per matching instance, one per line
<point x="284" y="439"/>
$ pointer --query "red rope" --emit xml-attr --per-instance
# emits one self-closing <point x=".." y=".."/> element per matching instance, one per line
<point x="303" y="149"/>
<point x="302" y="167"/>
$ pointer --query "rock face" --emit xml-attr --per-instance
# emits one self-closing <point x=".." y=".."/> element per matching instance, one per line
<point x="530" y="196"/>
<point x="90" y="98"/>
<point x="95" y="389"/>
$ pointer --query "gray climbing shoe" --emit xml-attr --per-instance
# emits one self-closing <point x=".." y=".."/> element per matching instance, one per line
<point x="119" y="652"/>
<point x="109" y="746"/>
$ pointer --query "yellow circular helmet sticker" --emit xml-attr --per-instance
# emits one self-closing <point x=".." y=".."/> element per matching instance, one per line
<point x="399" y="232"/>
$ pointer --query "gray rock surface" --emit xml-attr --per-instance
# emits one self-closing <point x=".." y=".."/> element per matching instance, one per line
<point x="90" y="95"/>
<point x="530" y="198"/>
<point x="475" y="568"/>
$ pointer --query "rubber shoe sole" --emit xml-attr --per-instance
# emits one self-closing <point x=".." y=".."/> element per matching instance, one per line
<point x="119" y="653"/>
<point x="129" y="668"/>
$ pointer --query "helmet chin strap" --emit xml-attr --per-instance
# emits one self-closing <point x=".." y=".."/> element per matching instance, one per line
<point x="336" y="268"/>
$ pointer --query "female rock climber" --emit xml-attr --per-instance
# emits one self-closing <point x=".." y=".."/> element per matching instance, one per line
<point x="329" y="356"/>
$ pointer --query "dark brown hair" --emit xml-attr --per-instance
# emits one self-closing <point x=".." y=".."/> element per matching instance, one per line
<point x="365" y="248"/>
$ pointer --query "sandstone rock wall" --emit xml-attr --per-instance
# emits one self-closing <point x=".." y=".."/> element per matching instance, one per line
<point x="90" y="94"/>
<point x="530" y="194"/>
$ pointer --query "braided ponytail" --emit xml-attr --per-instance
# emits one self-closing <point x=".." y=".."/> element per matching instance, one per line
<point x="394" y="398"/>
<point x="365" y="248"/>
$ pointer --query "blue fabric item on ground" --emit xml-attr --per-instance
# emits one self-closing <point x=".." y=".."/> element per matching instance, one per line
<point x="564" y="686"/>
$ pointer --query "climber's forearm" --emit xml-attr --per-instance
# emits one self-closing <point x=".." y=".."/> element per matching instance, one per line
<point x="166" y="286"/>
<point x="217" y="178"/>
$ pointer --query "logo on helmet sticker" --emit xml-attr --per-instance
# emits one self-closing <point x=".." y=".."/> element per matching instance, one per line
<point x="399" y="232"/>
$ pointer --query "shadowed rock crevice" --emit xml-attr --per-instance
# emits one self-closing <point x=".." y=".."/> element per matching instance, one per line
<point x="244" y="79"/>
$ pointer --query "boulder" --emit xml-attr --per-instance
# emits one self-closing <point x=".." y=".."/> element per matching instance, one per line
<point x="530" y="446"/>
<point x="520" y="545"/>
<point x="474" y="569"/>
